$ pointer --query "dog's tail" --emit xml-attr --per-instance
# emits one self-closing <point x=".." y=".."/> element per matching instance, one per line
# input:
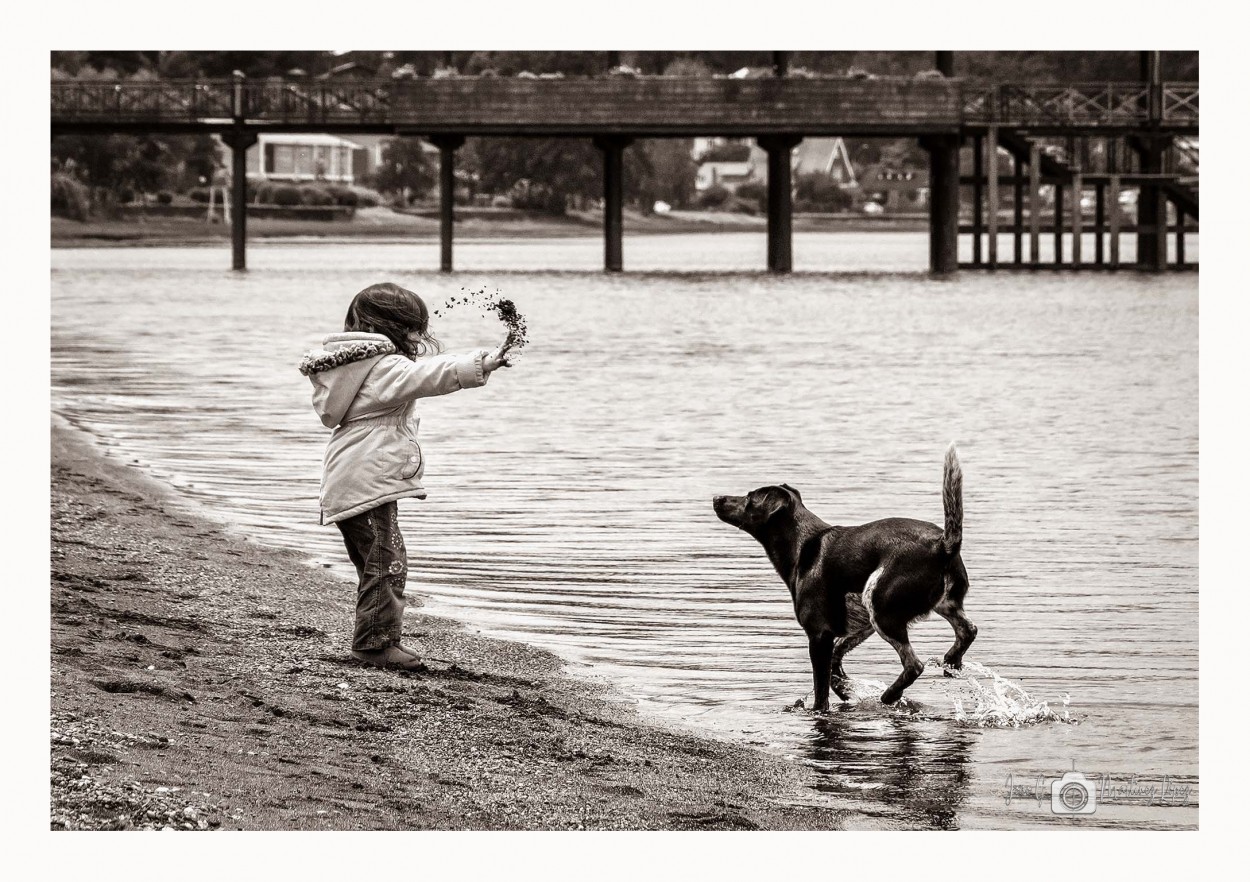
<point x="952" y="503"/>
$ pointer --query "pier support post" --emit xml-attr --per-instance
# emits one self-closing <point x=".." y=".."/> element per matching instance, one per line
<point x="1035" y="205"/>
<point x="1057" y="224"/>
<point x="978" y="198"/>
<point x="991" y="195"/>
<point x="1100" y="222"/>
<point x="1180" y="236"/>
<point x="1077" y="223"/>
<point x="780" y="209"/>
<point x="1017" y="208"/>
<point x="1113" y="239"/>
<point x="447" y="146"/>
<point x="613" y="149"/>
<point x="238" y="140"/>
<point x="943" y="203"/>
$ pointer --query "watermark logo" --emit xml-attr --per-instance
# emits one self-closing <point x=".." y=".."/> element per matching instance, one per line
<point x="1076" y="793"/>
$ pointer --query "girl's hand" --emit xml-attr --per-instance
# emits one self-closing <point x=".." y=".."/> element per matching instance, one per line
<point x="498" y="359"/>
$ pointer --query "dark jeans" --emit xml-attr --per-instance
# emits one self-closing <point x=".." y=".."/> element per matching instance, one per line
<point x="376" y="548"/>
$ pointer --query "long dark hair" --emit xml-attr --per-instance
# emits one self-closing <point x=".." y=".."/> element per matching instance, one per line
<point x="394" y="312"/>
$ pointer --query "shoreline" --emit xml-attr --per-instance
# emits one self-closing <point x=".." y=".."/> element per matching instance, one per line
<point x="202" y="681"/>
<point x="374" y="226"/>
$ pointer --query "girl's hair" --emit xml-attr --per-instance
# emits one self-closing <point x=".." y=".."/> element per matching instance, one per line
<point x="393" y="312"/>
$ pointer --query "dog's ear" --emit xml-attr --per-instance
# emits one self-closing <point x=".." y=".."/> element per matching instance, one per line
<point x="775" y="503"/>
<point x="797" y="494"/>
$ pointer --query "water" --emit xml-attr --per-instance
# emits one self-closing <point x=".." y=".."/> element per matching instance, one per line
<point x="570" y="499"/>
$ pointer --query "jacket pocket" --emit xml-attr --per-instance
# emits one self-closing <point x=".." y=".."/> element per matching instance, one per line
<point x="412" y="461"/>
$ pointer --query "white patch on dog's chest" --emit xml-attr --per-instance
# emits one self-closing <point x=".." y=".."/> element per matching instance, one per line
<point x="869" y="587"/>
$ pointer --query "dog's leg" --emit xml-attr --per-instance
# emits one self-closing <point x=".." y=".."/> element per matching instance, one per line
<point x="894" y="632"/>
<point x="965" y="633"/>
<point x="820" y="649"/>
<point x="912" y="666"/>
<point x="950" y="607"/>
<point x="858" y="629"/>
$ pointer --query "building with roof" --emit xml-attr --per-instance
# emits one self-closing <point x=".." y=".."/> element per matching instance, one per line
<point x="304" y="157"/>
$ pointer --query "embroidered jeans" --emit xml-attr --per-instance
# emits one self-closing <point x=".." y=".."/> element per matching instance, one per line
<point x="376" y="547"/>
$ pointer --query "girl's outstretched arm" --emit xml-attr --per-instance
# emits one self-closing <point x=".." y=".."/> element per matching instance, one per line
<point x="397" y="380"/>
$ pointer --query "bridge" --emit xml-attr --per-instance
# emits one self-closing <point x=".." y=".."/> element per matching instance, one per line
<point x="1142" y="128"/>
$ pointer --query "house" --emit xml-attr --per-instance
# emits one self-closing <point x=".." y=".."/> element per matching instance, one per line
<point x="729" y="175"/>
<point x="303" y="157"/>
<point x="826" y="155"/>
<point x="895" y="189"/>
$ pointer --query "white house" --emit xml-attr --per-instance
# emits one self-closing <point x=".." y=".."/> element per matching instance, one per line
<point x="302" y="157"/>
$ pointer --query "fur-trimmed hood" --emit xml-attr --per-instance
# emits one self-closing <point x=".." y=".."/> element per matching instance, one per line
<point x="338" y="351"/>
<point x="338" y="370"/>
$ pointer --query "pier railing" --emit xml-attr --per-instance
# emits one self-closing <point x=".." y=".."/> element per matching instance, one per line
<point x="517" y="105"/>
<point x="636" y="105"/>
<point x="1081" y="105"/>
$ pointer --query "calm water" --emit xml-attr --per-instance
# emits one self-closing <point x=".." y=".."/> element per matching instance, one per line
<point x="570" y="499"/>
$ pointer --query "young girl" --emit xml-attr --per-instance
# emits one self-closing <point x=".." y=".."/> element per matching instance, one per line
<point x="365" y="384"/>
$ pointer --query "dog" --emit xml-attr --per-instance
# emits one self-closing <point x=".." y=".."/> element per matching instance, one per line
<point x="847" y="582"/>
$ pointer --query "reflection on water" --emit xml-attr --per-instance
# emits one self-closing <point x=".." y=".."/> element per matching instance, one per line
<point x="570" y="499"/>
<point x="912" y="770"/>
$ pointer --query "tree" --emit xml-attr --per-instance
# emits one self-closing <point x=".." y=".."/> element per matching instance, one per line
<point x="405" y="169"/>
<point x="557" y="168"/>
<point x="666" y="171"/>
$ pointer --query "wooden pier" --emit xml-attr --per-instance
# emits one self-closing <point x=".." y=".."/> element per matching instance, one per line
<point x="983" y="141"/>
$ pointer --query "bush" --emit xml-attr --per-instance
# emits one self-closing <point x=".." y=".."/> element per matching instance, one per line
<point x="199" y="194"/>
<point x="756" y="193"/>
<point x="70" y="198"/>
<point x="125" y="196"/>
<point x="342" y="195"/>
<point x="285" y="194"/>
<point x="366" y="198"/>
<point x="164" y="197"/>
<point x="316" y="195"/>
<point x="815" y="191"/>
<point x="714" y="196"/>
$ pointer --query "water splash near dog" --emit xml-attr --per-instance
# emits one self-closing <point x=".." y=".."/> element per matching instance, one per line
<point x="980" y="697"/>
<point x="983" y="698"/>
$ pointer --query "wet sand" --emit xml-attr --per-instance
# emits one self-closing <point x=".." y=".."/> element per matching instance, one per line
<point x="200" y="681"/>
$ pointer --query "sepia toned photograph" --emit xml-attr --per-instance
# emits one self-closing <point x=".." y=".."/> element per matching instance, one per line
<point x="654" y="440"/>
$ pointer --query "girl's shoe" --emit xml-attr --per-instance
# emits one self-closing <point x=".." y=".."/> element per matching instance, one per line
<point x="389" y="657"/>
<point x="405" y="649"/>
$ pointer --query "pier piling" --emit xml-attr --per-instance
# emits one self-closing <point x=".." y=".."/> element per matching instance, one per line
<point x="447" y="146"/>
<point x="780" y="208"/>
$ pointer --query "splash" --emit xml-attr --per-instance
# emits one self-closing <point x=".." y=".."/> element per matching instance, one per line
<point x="980" y="697"/>
<point x="983" y="698"/>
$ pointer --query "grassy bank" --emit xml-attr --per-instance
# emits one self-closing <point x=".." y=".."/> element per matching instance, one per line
<point x="203" y="682"/>
<point x="384" y="224"/>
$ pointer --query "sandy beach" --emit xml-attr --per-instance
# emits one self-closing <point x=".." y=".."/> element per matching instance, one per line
<point x="200" y="681"/>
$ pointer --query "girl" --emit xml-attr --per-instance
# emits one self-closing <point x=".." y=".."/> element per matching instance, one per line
<point x="365" y="384"/>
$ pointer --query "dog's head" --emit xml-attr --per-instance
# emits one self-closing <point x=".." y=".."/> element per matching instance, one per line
<point x="759" y="508"/>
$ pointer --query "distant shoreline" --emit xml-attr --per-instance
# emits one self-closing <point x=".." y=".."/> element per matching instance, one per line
<point x="374" y="225"/>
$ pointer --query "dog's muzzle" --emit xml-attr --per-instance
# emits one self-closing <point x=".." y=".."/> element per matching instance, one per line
<point x="729" y="508"/>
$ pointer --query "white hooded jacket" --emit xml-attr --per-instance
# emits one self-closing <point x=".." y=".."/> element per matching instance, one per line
<point x="366" y="392"/>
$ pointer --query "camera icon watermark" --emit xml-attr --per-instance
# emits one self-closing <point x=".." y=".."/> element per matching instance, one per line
<point x="1074" y="794"/>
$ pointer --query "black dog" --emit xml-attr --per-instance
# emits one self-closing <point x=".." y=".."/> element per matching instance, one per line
<point x="847" y="582"/>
